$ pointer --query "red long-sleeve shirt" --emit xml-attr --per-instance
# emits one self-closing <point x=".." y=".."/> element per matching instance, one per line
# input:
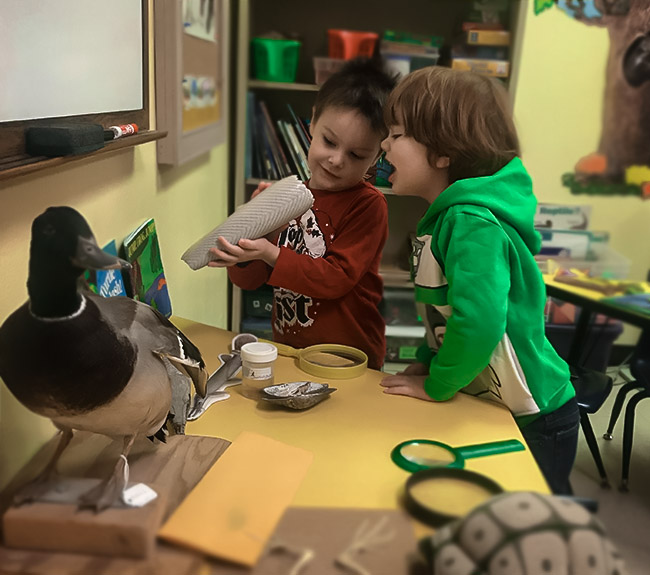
<point x="327" y="286"/>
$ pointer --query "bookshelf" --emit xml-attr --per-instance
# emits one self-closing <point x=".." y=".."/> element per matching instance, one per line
<point x="309" y="22"/>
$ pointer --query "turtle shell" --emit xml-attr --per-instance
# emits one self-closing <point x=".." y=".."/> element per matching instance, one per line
<point x="523" y="533"/>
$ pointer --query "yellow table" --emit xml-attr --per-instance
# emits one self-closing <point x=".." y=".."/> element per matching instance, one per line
<point x="352" y="433"/>
<point x="591" y="302"/>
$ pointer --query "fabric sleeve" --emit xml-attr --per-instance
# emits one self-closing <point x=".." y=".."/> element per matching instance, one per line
<point x="475" y="252"/>
<point x="360" y="235"/>
<point x="250" y="276"/>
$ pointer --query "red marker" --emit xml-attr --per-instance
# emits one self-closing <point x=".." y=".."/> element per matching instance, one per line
<point x="115" y="132"/>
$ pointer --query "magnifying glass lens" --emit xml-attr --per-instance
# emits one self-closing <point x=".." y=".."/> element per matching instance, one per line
<point x="449" y="496"/>
<point x="427" y="455"/>
<point x="332" y="359"/>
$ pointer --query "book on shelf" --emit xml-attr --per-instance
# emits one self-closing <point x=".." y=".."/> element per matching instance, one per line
<point x="106" y="283"/>
<point x="302" y="156"/>
<point x="263" y="146"/>
<point x="147" y="277"/>
<point x="275" y="149"/>
<point x="488" y="37"/>
<point x="254" y="155"/>
<point x="301" y="128"/>
<point x="293" y="153"/>
<point x="493" y="68"/>
<point x="249" y="136"/>
<point x="281" y="162"/>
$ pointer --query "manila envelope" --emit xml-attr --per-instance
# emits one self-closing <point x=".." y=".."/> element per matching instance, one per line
<point x="235" y="508"/>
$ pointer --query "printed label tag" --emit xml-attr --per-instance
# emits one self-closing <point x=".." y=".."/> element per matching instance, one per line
<point x="138" y="495"/>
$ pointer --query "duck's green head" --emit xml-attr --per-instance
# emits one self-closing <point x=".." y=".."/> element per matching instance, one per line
<point x="62" y="235"/>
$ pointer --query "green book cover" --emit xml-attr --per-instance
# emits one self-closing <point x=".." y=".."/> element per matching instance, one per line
<point x="142" y="251"/>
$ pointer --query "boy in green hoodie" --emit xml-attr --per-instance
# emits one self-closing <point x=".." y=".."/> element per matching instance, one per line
<point x="452" y="142"/>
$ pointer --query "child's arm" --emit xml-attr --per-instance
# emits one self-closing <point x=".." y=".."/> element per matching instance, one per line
<point x="359" y="237"/>
<point x="476" y="252"/>
<point x="249" y="276"/>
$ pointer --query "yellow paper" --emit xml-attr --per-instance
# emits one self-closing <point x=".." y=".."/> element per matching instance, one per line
<point x="235" y="508"/>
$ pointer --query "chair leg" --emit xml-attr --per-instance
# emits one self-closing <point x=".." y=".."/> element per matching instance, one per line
<point x="618" y="405"/>
<point x="593" y="447"/>
<point x="628" y="432"/>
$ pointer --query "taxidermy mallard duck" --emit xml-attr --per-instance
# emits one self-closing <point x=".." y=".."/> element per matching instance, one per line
<point x="113" y="366"/>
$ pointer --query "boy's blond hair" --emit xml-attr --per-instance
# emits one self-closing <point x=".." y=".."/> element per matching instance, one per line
<point x="457" y="114"/>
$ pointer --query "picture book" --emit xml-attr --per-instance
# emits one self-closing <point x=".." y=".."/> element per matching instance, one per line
<point x="107" y="283"/>
<point x="147" y="276"/>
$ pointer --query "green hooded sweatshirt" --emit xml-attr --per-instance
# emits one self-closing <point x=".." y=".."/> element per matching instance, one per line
<point x="476" y="276"/>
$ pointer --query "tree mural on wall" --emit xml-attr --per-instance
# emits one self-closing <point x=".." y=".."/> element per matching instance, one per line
<point x="622" y="162"/>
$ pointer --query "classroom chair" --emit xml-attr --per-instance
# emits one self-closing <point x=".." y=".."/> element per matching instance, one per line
<point x="640" y="370"/>
<point x="592" y="389"/>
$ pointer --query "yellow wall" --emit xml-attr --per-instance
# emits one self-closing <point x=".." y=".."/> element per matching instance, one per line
<point x="115" y="194"/>
<point x="558" y="106"/>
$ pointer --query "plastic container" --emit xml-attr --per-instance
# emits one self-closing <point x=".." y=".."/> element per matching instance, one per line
<point x="258" y="364"/>
<point x="402" y="63"/>
<point x="325" y="67"/>
<point x="275" y="59"/>
<point x="603" y="262"/>
<point x="403" y="341"/>
<point x="349" y="44"/>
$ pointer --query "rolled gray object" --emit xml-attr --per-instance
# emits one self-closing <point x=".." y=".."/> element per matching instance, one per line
<point x="276" y="206"/>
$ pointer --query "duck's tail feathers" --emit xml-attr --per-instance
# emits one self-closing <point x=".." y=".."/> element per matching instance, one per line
<point x="161" y="434"/>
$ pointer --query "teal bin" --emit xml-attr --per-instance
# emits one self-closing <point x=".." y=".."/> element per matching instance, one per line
<point x="275" y="60"/>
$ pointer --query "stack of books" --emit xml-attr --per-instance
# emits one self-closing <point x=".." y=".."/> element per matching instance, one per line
<point x="482" y="48"/>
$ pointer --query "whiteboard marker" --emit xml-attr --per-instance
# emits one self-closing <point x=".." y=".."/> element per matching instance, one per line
<point x="115" y="132"/>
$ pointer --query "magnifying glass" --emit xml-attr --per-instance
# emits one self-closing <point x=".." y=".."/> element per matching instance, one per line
<point x="420" y="454"/>
<point x="441" y="494"/>
<point x="328" y="360"/>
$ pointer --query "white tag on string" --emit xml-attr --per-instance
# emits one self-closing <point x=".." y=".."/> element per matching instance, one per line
<point x="138" y="495"/>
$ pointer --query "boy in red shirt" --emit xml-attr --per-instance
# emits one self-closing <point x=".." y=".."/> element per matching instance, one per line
<point x="325" y="264"/>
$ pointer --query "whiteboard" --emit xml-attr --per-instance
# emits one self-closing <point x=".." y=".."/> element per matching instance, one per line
<point x="69" y="57"/>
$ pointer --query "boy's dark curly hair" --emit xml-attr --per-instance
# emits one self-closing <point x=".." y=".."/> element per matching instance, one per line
<point x="362" y="84"/>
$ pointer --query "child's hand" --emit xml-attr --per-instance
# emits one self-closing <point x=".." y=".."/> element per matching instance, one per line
<point x="244" y="251"/>
<point x="260" y="188"/>
<point x="410" y="385"/>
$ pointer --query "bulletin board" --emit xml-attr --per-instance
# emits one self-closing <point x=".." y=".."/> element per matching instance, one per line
<point x="190" y="80"/>
<point x="201" y="64"/>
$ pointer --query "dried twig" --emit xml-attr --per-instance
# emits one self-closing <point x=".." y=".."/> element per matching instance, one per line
<point x="365" y="537"/>
<point x="304" y="555"/>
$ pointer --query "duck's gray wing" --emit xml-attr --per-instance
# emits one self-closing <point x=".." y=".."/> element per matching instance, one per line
<point x="153" y="332"/>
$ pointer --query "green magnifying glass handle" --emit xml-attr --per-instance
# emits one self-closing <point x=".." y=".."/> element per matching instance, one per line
<point x="492" y="448"/>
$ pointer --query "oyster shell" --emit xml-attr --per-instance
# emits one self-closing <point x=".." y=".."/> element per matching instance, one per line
<point x="297" y="394"/>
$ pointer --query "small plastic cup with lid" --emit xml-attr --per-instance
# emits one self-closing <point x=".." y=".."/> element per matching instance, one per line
<point x="258" y="360"/>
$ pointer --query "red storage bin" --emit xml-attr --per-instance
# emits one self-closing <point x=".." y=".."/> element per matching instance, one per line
<point x="349" y="44"/>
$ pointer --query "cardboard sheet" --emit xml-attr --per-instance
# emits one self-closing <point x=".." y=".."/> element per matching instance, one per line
<point x="235" y="508"/>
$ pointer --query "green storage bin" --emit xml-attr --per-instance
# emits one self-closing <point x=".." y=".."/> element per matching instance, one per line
<point x="275" y="60"/>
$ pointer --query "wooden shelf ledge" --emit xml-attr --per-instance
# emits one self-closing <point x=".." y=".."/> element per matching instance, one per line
<point x="21" y="165"/>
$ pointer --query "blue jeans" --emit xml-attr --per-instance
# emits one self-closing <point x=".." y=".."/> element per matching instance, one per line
<point x="553" y="441"/>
